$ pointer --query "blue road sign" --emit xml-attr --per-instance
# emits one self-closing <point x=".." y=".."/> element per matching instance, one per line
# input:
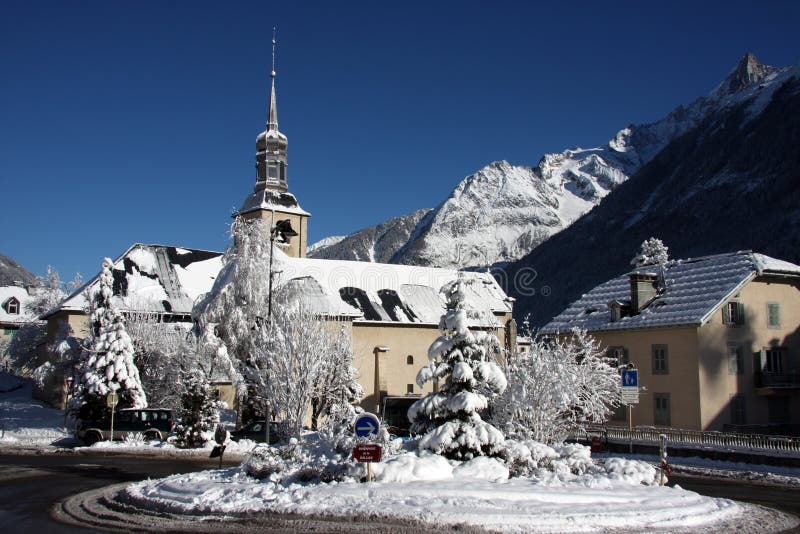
<point x="367" y="425"/>
<point x="630" y="378"/>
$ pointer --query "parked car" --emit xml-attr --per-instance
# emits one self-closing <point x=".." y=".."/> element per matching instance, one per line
<point x="153" y="423"/>
<point x="256" y="431"/>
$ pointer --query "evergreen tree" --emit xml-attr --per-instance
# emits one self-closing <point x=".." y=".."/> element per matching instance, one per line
<point x="108" y="366"/>
<point x="450" y="418"/>
<point x="199" y="413"/>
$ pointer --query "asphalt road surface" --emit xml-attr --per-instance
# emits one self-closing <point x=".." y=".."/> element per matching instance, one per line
<point x="30" y="484"/>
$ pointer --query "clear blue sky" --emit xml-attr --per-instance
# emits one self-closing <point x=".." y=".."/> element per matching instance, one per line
<point x="124" y="122"/>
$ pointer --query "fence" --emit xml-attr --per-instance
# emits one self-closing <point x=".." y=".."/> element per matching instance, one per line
<point x="696" y="439"/>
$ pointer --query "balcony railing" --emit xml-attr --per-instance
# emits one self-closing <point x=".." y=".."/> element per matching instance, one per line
<point x="783" y="445"/>
<point x="777" y="380"/>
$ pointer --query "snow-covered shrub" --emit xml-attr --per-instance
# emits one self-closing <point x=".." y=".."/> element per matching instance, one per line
<point x="134" y="439"/>
<point x="449" y="420"/>
<point x="558" y="386"/>
<point x="651" y="252"/>
<point x="199" y="413"/>
<point x="631" y="471"/>
<point x="43" y="374"/>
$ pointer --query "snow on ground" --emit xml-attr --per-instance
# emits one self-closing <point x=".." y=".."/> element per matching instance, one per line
<point x="765" y="474"/>
<point x="24" y="421"/>
<point x="432" y="489"/>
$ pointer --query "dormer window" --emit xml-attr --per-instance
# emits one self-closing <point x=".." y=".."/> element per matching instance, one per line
<point x="12" y="306"/>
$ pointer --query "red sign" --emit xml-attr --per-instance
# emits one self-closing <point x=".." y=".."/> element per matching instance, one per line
<point x="367" y="453"/>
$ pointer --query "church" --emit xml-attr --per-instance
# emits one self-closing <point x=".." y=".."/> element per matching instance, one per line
<point x="392" y="311"/>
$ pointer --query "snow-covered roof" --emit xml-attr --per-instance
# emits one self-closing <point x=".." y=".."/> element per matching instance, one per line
<point x="155" y="278"/>
<point x="169" y="279"/>
<point x="387" y="292"/>
<point x="693" y="290"/>
<point x="269" y="199"/>
<point x="21" y="295"/>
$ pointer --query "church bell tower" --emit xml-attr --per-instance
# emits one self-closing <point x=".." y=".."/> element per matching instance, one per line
<point x="271" y="200"/>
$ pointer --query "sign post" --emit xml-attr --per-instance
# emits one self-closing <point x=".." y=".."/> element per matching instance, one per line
<point x="630" y="396"/>
<point x="367" y="425"/>
<point x="220" y="436"/>
<point x="112" y="399"/>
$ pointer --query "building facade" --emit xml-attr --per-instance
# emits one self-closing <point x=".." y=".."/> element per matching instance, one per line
<point x="716" y="340"/>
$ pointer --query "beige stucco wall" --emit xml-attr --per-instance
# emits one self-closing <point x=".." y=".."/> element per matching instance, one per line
<point x="681" y="382"/>
<point x="393" y="374"/>
<point x="78" y="323"/>
<point x="297" y="245"/>
<point x="718" y="385"/>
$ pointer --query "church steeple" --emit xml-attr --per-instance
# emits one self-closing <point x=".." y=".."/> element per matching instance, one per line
<point x="271" y="201"/>
<point x="271" y="144"/>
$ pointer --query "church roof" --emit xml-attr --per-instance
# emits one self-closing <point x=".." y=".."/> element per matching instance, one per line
<point x="166" y="279"/>
<point x="154" y="278"/>
<point x="386" y="292"/>
<point x="271" y="199"/>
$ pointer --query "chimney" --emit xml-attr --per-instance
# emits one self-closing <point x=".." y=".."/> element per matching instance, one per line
<point x="644" y="288"/>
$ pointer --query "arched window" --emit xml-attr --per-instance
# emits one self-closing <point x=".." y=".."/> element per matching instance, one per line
<point x="410" y="360"/>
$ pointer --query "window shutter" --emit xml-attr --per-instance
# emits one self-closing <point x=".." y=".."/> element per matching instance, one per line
<point x="740" y="313"/>
<point x="726" y="314"/>
<point x="762" y="356"/>
<point x="626" y="356"/>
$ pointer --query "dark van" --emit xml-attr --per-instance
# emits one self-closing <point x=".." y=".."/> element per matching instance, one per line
<point x="154" y="423"/>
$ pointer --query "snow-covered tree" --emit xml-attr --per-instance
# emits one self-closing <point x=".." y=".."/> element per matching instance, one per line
<point x="335" y="387"/>
<point x="306" y="365"/>
<point x="234" y="313"/>
<point x="199" y="412"/>
<point x="108" y="366"/>
<point x="558" y="386"/>
<point x="450" y="419"/>
<point x="651" y="252"/>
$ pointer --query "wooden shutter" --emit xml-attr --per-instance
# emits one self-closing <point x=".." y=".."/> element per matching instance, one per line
<point x="740" y="313"/>
<point x="726" y="314"/>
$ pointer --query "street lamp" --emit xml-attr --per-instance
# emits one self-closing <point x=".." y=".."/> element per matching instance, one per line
<point x="281" y="229"/>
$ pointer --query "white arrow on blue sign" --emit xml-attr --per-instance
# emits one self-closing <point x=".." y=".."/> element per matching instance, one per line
<point x="367" y="425"/>
<point x="630" y="378"/>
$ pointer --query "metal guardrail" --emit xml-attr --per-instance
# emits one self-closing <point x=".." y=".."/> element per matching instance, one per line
<point x="717" y="440"/>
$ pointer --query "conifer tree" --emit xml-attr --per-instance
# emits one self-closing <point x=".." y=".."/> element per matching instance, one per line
<point x="108" y="366"/>
<point x="199" y="413"/>
<point x="450" y="419"/>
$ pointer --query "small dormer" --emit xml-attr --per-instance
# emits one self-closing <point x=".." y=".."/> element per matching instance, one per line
<point x="644" y="289"/>
<point x="11" y="306"/>
<point x="619" y="309"/>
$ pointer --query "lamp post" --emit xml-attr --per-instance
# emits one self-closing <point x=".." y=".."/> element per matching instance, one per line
<point x="281" y="229"/>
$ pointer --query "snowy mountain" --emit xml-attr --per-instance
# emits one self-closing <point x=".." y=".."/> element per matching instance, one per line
<point x="11" y="272"/>
<point x="523" y="206"/>
<point x="374" y="244"/>
<point x="727" y="183"/>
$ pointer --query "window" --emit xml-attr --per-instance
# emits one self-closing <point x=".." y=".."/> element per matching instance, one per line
<point x="778" y="410"/>
<point x="733" y="313"/>
<point x="10" y="332"/>
<point x="660" y="360"/>
<point x="409" y="360"/>
<point x="735" y="360"/>
<point x="409" y="388"/>
<point x="661" y="411"/>
<point x="618" y="356"/>
<point x="737" y="410"/>
<point x="272" y="170"/>
<point x="773" y="315"/>
<point x="774" y="361"/>
<point x="12" y="306"/>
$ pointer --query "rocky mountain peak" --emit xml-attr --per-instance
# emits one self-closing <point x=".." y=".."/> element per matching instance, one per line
<point x="747" y="72"/>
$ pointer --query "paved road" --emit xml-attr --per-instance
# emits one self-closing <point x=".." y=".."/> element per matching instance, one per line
<point x="29" y="485"/>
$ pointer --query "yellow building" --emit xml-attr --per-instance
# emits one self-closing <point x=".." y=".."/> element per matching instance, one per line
<point x="716" y="340"/>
